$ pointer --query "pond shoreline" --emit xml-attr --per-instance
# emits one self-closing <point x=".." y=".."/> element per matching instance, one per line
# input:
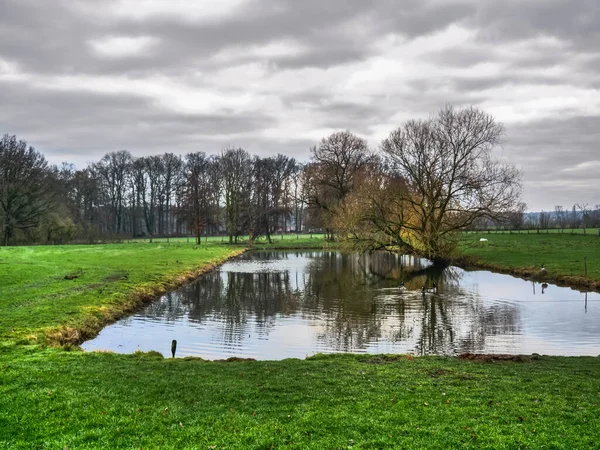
<point x="530" y="274"/>
<point x="294" y="285"/>
<point x="67" y="335"/>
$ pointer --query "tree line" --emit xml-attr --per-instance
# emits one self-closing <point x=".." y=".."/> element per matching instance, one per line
<point x="121" y="196"/>
<point x="579" y="216"/>
<point x="428" y="180"/>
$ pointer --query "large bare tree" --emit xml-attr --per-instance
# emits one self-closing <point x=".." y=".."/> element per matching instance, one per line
<point x="452" y="177"/>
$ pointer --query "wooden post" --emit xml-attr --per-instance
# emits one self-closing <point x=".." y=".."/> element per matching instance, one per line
<point x="585" y="265"/>
<point x="173" y="347"/>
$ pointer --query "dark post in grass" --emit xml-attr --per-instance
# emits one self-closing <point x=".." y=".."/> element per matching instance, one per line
<point x="585" y="266"/>
<point x="173" y="347"/>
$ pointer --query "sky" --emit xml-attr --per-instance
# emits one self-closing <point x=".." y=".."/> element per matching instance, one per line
<point x="80" y="78"/>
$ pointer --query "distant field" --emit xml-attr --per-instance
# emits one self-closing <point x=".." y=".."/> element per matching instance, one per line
<point x="587" y="231"/>
<point x="561" y="254"/>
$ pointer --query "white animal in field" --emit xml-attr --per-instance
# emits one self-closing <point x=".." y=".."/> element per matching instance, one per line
<point x="483" y="240"/>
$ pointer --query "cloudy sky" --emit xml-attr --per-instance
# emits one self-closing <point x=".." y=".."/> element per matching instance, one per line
<point x="80" y="78"/>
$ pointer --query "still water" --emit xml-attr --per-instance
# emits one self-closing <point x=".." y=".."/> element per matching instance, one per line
<point x="276" y="305"/>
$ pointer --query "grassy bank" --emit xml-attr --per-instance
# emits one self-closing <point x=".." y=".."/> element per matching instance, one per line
<point x="67" y="293"/>
<point x="565" y="256"/>
<point x="57" y="399"/>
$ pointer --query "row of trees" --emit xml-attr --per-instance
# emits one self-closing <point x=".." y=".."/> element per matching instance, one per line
<point x="161" y="195"/>
<point x="580" y="216"/>
<point x="431" y="179"/>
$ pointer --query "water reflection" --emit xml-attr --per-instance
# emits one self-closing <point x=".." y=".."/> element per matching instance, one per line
<point x="272" y="305"/>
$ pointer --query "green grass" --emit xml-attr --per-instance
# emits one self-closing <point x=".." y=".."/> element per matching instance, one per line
<point x="84" y="286"/>
<point x="562" y="254"/>
<point x="55" y="398"/>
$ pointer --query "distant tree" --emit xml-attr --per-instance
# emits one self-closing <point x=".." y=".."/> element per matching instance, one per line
<point x="516" y="217"/>
<point x="544" y="220"/>
<point x="148" y="175"/>
<point x="299" y="197"/>
<point x="170" y="179"/>
<point x="26" y="196"/>
<point x="574" y="219"/>
<point x="284" y="167"/>
<point x="596" y="216"/>
<point x="113" y="171"/>
<point x="236" y="172"/>
<point x="199" y="202"/>
<point x="337" y="163"/>
<point x="532" y="221"/>
<point x="585" y="215"/>
<point x="561" y="217"/>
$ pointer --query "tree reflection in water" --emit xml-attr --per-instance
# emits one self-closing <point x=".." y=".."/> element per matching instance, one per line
<point x="351" y="301"/>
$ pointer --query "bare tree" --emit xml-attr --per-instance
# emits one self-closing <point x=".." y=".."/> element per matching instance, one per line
<point x="236" y="170"/>
<point x="561" y="217"/>
<point x="151" y="169"/>
<point x="113" y="171"/>
<point x="299" y="197"/>
<point x="516" y="217"/>
<point x="199" y="201"/>
<point x="375" y="215"/>
<point x="543" y="220"/>
<point x="25" y="194"/>
<point x="585" y="215"/>
<point x="452" y="177"/>
<point x="170" y="179"/>
<point x="337" y="162"/>
<point x="596" y="217"/>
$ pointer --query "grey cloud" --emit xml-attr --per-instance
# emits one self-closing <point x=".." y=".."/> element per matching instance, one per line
<point x="52" y="38"/>
<point x="550" y="151"/>
<point x="577" y="23"/>
<point x="46" y="38"/>
<point x="462" y="57"/>
<point x="471" y="84"/>
<point x="80" y="127"/>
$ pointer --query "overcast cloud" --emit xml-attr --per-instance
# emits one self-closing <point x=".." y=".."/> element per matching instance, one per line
<point x="80" y="78"/>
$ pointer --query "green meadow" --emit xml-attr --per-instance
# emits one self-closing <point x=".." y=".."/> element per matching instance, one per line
<point x="569" y="258"/>
<point x="53" y="395"/>
<point x="67" y="293"/>
<point x="55" y="399"/>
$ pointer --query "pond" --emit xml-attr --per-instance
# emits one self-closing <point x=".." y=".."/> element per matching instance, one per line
<point x="277" y="305"/>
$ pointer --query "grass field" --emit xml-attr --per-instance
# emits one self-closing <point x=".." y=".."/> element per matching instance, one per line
<point x="64" y="398"/>
<point x="586" y="231"/>
<point x="50" y="289"/>
<point x="566" y="257"/>
<point x="55" y="400"/>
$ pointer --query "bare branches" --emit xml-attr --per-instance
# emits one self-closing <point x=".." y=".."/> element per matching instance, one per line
<point x="452" y="177"/>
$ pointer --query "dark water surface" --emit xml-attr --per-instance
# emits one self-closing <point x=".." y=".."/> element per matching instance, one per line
<point x="276" y="305"/>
